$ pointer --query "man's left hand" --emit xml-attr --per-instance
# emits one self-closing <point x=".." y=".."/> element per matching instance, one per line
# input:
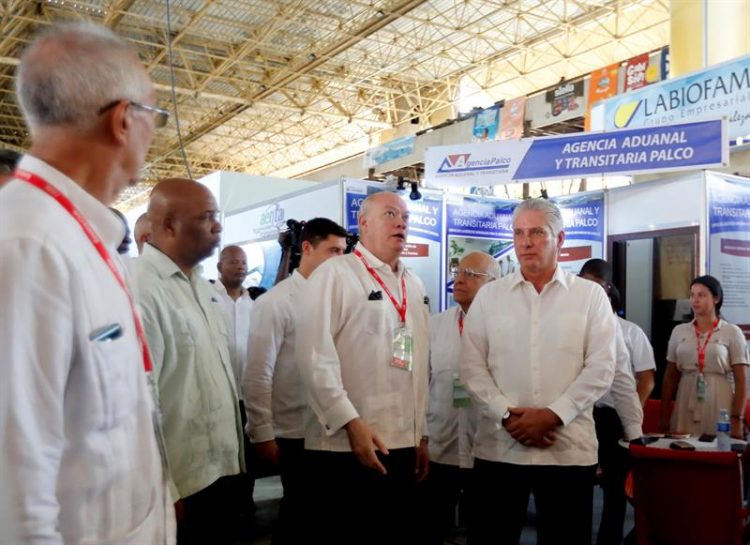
<point x="422" y="462"/>
<point x="533" y="427"/>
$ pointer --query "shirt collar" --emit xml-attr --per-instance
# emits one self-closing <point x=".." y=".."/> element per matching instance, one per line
<point x="560" y="277"/>
<point x="109" y="228"/>
<point x="376" y="263"/>
<point x="297" y="278"/>
<point x="162" y="262"/>
<point x="718" y="325"/>
<point x="221" y="288"/>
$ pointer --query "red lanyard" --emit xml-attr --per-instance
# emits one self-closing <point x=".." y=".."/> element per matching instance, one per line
<point x="400" y="308"/>
<point x="460" y="323"/>
<point x="702" y="349"/>
<point x="70" y="208"/>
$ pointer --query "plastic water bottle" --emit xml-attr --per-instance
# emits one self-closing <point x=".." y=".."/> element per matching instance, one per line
<point x="723" y="429"/>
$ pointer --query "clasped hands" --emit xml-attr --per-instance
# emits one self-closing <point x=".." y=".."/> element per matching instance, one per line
<point x="532" y="427"/>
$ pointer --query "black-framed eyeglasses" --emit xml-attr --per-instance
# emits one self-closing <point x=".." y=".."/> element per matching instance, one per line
<point x="161" y="116"/>
<point x="469" y="273"/>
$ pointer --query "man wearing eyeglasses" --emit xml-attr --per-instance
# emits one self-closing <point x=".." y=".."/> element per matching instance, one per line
<point x="80" y="459"/>
<point x="538" y="350"/>
<point x="451" y="417"/>
<point x="362" y="350"/>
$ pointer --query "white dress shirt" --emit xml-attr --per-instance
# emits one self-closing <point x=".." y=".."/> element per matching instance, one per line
<point x="639" y="347"/>
<point x="345" y="349"/>
<point x="272" y="385"/>
<point x="79" y="461"/>
<point x="451" y="429"/>
<point x="237" y="317"/>
<point x="623" y="394"/>
<point x="552" y="349"/>
<point x="197" y="394"/>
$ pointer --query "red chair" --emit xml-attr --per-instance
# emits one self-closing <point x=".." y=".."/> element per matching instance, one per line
<point x="651" y="415"/>
<point x="687" y="497"/>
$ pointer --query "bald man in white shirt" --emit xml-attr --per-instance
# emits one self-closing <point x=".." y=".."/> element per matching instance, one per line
<point x="363" y="355"/>
<point x="537" y="351"/>
<point x="451" y="417"/>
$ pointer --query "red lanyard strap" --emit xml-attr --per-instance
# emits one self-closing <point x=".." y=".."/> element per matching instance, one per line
<point x="702" y="349"/>
<point x="460" y="323"/>
<point x="70" y="208"/>
<point x="400" y="308"/>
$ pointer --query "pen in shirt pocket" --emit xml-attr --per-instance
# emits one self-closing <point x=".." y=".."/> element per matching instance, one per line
<point x="106" y="333"/>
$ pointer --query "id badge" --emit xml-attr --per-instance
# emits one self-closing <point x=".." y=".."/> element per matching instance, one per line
<point x="460" y="395"/>
<point x="700" y="386"/>
<point x="403" y="349"/>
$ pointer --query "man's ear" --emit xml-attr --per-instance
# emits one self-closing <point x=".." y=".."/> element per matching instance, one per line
<point x="170" y="225"/>
<point x="560" y="239"/>
<point x="306" y="247"/>
<point x="118" y="122"/>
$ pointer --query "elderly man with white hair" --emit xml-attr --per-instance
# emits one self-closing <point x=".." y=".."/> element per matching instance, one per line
<point x="80" y="460"/>
<point x="538" y="349"/>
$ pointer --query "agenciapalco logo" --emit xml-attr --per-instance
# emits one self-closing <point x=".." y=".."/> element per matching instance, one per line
<point x="462" y="162"/>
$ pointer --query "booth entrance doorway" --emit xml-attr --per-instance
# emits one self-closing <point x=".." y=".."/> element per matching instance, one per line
<point x="652" y="271"/>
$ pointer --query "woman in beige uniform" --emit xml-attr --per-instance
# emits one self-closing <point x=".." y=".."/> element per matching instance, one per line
<point x="701" y="355"/>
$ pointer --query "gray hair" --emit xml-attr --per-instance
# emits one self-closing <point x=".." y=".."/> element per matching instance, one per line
<point x="493" y="269"/>
<point x="550" y="210"/>
<point x="366" y="205"/>
<point x="71" y="70"/>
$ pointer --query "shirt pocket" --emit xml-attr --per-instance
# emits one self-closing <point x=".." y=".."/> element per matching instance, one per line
<point x="385" y="413"/>
<point x="116" y="365"/>
<point x="374" y="317"/>
<point x="568" y="336"/>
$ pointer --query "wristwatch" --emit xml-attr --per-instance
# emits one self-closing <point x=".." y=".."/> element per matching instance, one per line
<point x="505" y="417"/>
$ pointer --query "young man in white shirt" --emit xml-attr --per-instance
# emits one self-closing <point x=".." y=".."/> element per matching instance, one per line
<point x="79" y="461"/>
<point x="276" y="406"/>
<point x="617" y="415"/>
<point x="363" y="341"/>
<point x="537" y="351"/>
<point x="451" y="417"/>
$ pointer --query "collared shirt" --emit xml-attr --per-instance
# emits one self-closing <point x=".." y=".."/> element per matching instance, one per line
<point x="639" y="347"/>
<point x="197" y="394"/>
<point x="345" y="349"/>
<point x="79" y="461"/>
<point x="623" y="394"/>
<point x="552" y="349"/>
<point x="272" y="385"/>
<point x="451" y="429"/>
<point x="237" y="317"/>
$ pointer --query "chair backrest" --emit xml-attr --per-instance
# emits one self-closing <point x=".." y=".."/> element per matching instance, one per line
<point x="687" y="497"/>
<point x="651" y="415"/>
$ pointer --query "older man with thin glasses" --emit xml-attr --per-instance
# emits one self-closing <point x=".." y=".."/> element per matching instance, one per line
<point x="80" y="459"/>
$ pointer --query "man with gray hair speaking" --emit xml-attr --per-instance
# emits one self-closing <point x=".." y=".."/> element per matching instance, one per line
<point x="538" y="349"/>
<point x="79" y="461"/>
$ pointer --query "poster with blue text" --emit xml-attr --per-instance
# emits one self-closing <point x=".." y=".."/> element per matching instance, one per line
<point x="476" y="224"/>
<point x="729" y="243"/>
<point x="583" y="223"/>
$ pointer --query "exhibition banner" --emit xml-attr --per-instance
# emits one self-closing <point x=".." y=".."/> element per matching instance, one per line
<point x="389" y="151"/>
<point x="603" y="84"/>
<point x="566" y="101"/>
<point x="728" y="200"/>
<point x="478" y="224"/>
<point x="639" y="73"/>
<point x="486" y="124"/>
<point x="583" y="223"/>
<point x="511" y="118"/>
<point x="629" y="151"/>
<point x="719" y="91"/>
